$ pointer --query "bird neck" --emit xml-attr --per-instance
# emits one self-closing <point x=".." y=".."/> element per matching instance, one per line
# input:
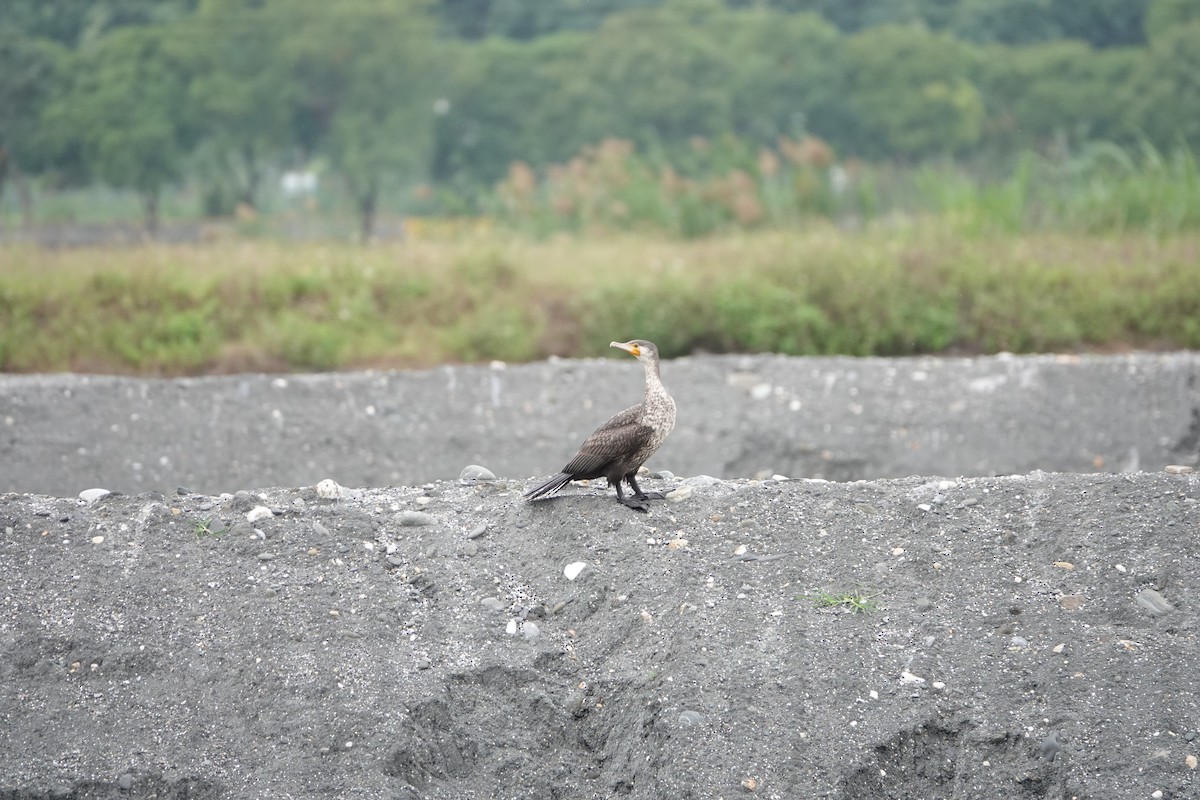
<point x="654" y="384"/>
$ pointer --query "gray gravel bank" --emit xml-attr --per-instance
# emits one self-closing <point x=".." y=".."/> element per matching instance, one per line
<point x="1023" y="637"/>
<point x="739" y="416"/>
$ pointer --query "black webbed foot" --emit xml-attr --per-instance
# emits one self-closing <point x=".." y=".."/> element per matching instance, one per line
<point x="639" y="494"/>
<point x="636" y="504"/>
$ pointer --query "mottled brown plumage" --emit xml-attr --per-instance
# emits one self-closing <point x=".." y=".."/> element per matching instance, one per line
<point x="620" y="446"/>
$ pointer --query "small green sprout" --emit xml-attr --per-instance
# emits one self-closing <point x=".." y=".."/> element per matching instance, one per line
<point x="204" y="527"/>
<point x="855" y="602"/>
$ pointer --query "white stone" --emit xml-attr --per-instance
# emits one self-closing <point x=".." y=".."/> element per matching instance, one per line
<point x="329" y="489"/>
<point x="572" y="570"/>
<point x="92" y="495"/>
<point x="678" y="495"/>
<point x="259" y="512"/>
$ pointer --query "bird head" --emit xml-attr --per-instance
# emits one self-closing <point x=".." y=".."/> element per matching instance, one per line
<point x="638" y="348"/>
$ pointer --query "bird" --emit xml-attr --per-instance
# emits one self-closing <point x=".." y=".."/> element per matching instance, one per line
<point x="619" y="447"/>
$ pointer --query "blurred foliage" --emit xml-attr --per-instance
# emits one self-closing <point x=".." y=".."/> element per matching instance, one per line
<point x="437" y="101"/>
<point x="884" y="291"/>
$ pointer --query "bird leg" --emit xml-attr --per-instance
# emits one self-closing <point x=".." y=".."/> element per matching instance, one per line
<point x="636" y="503"/>
<point x="639" y="494"/>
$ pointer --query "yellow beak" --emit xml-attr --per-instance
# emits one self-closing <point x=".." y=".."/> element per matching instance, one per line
<point x="628" y="347"/>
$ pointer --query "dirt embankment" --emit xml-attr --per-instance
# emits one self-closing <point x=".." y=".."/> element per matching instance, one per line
<point x="1029" y="636"/>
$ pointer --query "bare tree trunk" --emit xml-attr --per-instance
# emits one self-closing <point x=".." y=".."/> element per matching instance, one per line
<point x="368" y="201"/>
<point x="3" y="176"/>
<point x="253" y="177"/>
<point x="24" y="197"/>
<point x="150" y="212"/>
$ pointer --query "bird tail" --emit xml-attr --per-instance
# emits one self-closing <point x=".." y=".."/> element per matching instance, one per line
<point x="549" y="487"/>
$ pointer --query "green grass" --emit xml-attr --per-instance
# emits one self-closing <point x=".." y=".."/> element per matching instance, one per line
<point x="854" y="602"/>
<point x="204" y="528"/>
<point x="922" y="287"/>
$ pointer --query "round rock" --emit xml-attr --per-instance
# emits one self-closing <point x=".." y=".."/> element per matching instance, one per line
<point x="473" y="472"/>
<point x="413" y="519"/>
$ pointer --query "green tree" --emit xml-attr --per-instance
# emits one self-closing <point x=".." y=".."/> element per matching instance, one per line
<point x="664" y="72"/>
<point x="78" y="22"/>
<point x="521" y="19"/>
<point x="29" y="70"/>
<point x="242" y="92"/>
<point x="1057" y="91"/>
<point x="126" y="107"/>
<point x="499" y="97"/>
<point x="1165" y="16"/>
<point x="913" y="92"/>
<point x="368" y="74"/>
<point x="1166" y="89"/>
<point x="788" y="76"/>
<point x="1101" y="23"/>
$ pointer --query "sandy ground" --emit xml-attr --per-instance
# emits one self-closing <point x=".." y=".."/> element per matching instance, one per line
<point x="1022" y="636"/>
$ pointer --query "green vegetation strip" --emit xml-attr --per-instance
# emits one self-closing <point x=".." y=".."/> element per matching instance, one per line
<point x="236" y="306"/>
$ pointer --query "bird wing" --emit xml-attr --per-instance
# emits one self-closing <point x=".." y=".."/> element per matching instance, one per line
<point x="609" y="443"/>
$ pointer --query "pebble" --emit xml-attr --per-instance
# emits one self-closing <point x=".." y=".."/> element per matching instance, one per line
<point x="1154" y="602"/>
<point x="413" y="519"/>
<point x="924" y="604"/>
<point x="1050" y="747"/>
<point x="492" y="604"/>
<point x="663" y="475"/>
<point x="1019" y="641"/>
<point x="424" y="664"/>
<point x="1071" y="602"/>
<point x="1157" y="794"/>
<point x="92" y="495"/>
<point x="572" y="570"/>
<point x="703" y="480"/>
<point x="1178" y="469"/>
<point x="908" y="677"/>
<point x="473" y="472"/>
<point x="574" y="703"/>
<point x="259" y="512"/>
<point x="266" y="556"/>
<point x="679" y="494"/>
<point x="925" y="507"/>
<point x="530" y="630"/>
<point x="478" y="530"/>
<point x="243" y="501"/>
<point x="329" y="489"/>
<point x="125" y="782"/>
<point x="1190" y="761"/>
